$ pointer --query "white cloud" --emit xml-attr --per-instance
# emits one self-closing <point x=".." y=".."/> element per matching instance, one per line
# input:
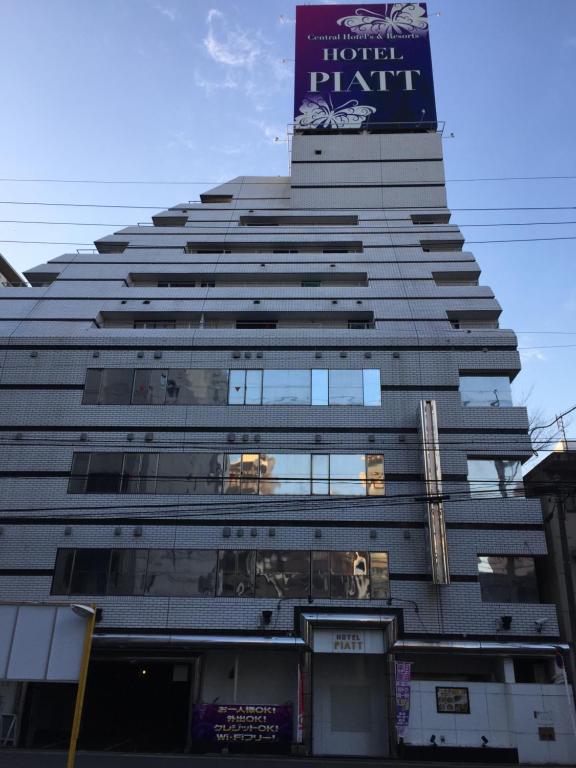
<point x="246" y="62"/>
<point x="165" y="10"/>
<point x="533" y="353"/>
<point x="231" y="46"/>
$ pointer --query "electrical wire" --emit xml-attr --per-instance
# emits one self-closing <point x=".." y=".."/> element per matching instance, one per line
<point x="263" y="180"/>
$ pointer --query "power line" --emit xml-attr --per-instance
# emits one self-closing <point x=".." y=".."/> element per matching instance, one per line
<point x="171" y="206"/>
<point x="264" y="180"/>
<point x="363" y="225"/>
<point x="468" y="242"/>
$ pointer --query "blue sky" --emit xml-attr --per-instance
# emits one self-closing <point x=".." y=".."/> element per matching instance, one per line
<point x="195" y="90"/>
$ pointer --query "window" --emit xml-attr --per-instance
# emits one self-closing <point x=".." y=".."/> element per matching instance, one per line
<point x="286" y="387"/>
<point x="267" y="474"/>
<point x="350" y="575"/>
<point x="236" y="573"/>
<point x="491" y="391"/>
<point x="149" y="387"/>
<point x="495" y="478"/>
<point x="304" y="387"/>
<point x="108" y="386"/>
<point x="189" y="473"/>
<point x="127" y="574"/>
<point x="282" y="574"/>
<point x="507" y="579"/>
<point x="279" y="574"/>
<point x="284" y="474"/>
<point x="181" y="573"/>
<point x="197" y="386"/>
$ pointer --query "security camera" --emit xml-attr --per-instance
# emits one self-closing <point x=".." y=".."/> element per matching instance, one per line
<point x="539" y="624"/>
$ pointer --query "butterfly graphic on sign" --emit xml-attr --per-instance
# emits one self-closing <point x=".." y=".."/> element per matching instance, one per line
<point x="398" y="18"/>
<point x="319" y="113"/>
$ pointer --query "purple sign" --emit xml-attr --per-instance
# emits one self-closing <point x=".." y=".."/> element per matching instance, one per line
<point x="403" y="676"/>
<point x="360" y="67"/>
<point x="253" y="725"/>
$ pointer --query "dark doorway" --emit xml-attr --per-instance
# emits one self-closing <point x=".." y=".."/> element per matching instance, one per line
<point x="47" y="717"/>
<point x="136" y="706"/>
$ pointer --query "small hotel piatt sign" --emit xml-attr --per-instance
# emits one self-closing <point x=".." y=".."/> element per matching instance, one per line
<point x="348" y="641"/>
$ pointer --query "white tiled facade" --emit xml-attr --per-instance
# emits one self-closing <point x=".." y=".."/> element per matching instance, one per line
<point x="51" y="335"/>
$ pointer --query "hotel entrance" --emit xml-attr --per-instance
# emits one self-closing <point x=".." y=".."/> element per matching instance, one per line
<point x="351" y="710"/>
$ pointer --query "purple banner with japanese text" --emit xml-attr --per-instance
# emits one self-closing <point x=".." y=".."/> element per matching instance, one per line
<point x="243" y="727"/>
<point x="363" y="67"/>
<point x="403" y="677"/>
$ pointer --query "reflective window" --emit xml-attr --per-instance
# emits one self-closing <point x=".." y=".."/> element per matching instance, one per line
<point x="149" y="387"/>
<point x="236" y="573"/>
<point x="104" y="473"/>
<point x="253" y="388"/>
<point x="237" y="387"/>
<point x="375" y="475"/>
<point x="282" y="574"/>
<point x="139" y="473"/>
<point x="181" y="572"/>
<point x="320" y="386"/>
<point x="197" y="386"/>
<point x="320" y="578"/>
<point x="90" y="574"/>
<point x="346" y="388"/>
<point x="507" y="579"/>
<point x="284" y="473"/>
<point x="127" y="571"/>
<point x="108" y="386"/>
<point x="349" y="576"/>
<point x="371" y="383"/>
<point x="490" y="391"/>
<point x="286" y="387"/>
<point x="379" y="578"/>
<point x="320" y="474"/>
<point x="241" y="473"/>
<point x="347" y="474"/>
<point x="267" y="474"/>
<point x="63" y="571"/>
<point x="189" y="473"/>
<point x="277" y="574"/>
<point x="495" y="478"/>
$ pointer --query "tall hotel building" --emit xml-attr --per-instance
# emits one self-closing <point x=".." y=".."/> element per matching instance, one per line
<point x="270" y="437"/>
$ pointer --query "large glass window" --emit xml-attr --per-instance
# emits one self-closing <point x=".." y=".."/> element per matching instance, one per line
<point x="127" y="574"/>
<point x="349" y="575"/>
<point x="348" y="474"/>
<point x="346" y="388"/>
<point x="197" y="386"/>
<point x="139" y="473"/>
<point x="181" y="572"/>
<point x="282" y="574"/>
<point x="236" y="573"/>
<point x="108" y="386"/>
<point x="491" y="391"/>
<point x="286" y="387"/>
<point x="284" y="473"/>
<point x="278" y="574"/>
<point x="104" y="473"/>
<point x="495" y="478"/>
<point x="241" y="473"/>
<point x="149" y="387"/>
<point x="267" y="474"/>
<point x="507" y="579"/>
<point x="189" y="473"/>
<point x="90" y="573"/>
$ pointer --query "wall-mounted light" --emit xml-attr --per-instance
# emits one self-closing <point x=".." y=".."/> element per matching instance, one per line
<point x="266" y="617"/>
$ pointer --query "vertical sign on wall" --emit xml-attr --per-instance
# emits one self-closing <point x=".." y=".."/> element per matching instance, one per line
<point x="403" y="675"/>
<point x="362" y="67"/>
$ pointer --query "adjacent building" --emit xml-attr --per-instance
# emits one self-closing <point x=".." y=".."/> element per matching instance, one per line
<point x="271" y="437"/>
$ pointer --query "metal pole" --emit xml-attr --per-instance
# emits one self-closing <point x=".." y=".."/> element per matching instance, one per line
<point x="81" y="690"/>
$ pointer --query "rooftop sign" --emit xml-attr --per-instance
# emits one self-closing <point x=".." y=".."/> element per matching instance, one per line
<point x="363" y="67"/>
